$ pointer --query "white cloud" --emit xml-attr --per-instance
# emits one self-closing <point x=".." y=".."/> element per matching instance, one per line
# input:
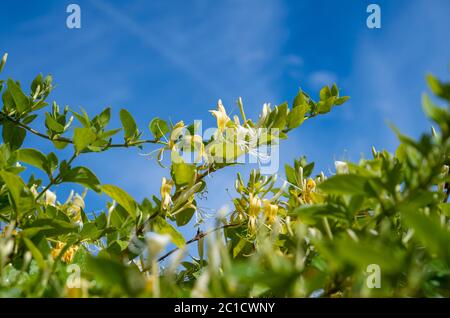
<point x="318" y="79"/>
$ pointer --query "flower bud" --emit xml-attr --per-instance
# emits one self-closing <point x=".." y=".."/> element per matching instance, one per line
<point x="341" y="167"/>
<point x="3" y="62"/>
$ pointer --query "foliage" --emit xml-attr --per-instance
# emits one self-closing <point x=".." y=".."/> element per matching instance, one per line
<point x="309" y="236"/>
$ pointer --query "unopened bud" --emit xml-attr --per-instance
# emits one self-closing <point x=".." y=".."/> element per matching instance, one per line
<point x="374" y="152"/>
<point x="3" y="62"/>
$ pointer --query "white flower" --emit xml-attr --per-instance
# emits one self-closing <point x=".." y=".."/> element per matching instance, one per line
<point x="50" y="198"/>
<point x="341" y="167"/>
<point x="156" y="243"/>
<point x="34" y="191"/>
<point x="6" y="248"/>
<point x="175" y="260"/>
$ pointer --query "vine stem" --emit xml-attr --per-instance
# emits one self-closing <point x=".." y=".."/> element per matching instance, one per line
<point x="198" y="237"/>
<point x="70" y="141"/>
<point x="53" y="181"/>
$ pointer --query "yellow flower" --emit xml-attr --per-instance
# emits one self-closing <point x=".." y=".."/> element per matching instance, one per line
<point x="254" y="205"/>
<point x="310" y="184"/>
<point x="270" y="210"/>
<point x="166" y="187"/>
<point x="177" y="131"/>
<point x="67" y="257"/>
<point x="75" y="208"/>
<point x="308" y="189"/>
<point x="221" y="115"/>
<point x="252" y="224"/>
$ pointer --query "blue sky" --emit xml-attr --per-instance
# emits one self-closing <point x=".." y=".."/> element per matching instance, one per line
<point x="174" y="59"/>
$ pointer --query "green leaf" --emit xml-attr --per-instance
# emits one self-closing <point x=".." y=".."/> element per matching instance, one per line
<point x="23" y="200"/>
<point x="103" y="118"/>
<point x="82" y="118"/>
<point x="13" y="135"/>
<point x="21" y="101"/>
<point x="158" y="127"/>
<point x="34" y="158"/>
<point x="37" y="82"/>
<point x="121" y="197"/>
<point x="300" y="99"/>
<point x="334" y="90"/>
<point x="324" y="106"/>
<point x="8" y="101"/>
<point x="237" y="249"/>
<point x="428" y="231"/>
<point x="361" y="254"/>
<point x="53" y="124"/>
<point x="37" y="255"/>
<point x="439" y="89"/>
<point x="161" y="226"/>
<point x="297" y="115"/>
<point x="83" y="176"/>
<point x="437" y="114"/>
<point x="108" y="271"/>
<point x="290" y="174"/>
<point x="183" y="217"/>
<point x="128" y="123"/>
<point x="182" y="173"/>
<point x="310" y="214"/>
<point x="345" y="184"/>
<point x="83" y="137"/>
<point x="325" y="93"/>
<point x="341" y="100"/>
<point x="280" y="114"/>
<point x="49" y="227"/>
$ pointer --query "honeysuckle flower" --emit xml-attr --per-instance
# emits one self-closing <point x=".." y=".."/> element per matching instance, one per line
<point x="270" y="211"/>
<point x="265" y="112"/>
<point x="67" y="257"/>
<point x="310" y="184"/>
<point x="156" y="243"/>
<point x="221" y="116"/>
<point x="194" y="142"/>
<point x="254" y="205"/>
<point x="6" y="248"/>
<point x="166" y="187"/>
<point x="308" y="188"/>
<point x="341" y="167"/>
<point x="75" y="207"/>
<point x="177" y="131"/>
<point x="252" y="224"/>
<point x="34" y="191"/>
<point x="50" y="198"/>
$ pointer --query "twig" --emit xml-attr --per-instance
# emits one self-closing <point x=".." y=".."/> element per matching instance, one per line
<point x="196" y="238"/>
<point x="447" y="191"/>
<point x="55" y="180"/>
<point x="70" y="141"/>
